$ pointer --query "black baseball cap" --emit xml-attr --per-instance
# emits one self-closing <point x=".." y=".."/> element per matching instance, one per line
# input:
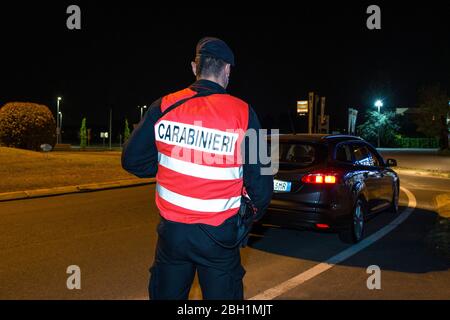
<point x="216" y="48"/>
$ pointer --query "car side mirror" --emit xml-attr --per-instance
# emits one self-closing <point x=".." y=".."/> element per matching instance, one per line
<point x="391" y="163"/>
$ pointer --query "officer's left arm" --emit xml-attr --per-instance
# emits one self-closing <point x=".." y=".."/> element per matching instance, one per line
<point x="140" y="155"/>
<point x="259" y="187"/>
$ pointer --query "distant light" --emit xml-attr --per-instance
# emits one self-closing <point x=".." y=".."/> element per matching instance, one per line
<point x="59" y="98"/>
<point x="302" y="107"/>
<point x="145" y="107"/>
<point x="378" y="103"/>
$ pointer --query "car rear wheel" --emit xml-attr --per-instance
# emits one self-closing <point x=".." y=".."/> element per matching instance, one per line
<point x="355" y="232"/>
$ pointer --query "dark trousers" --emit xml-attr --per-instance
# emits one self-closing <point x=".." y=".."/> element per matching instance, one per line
<point x="184" y="249"/>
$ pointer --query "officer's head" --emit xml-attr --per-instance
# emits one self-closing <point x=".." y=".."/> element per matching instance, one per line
<point x="213" y="61"/>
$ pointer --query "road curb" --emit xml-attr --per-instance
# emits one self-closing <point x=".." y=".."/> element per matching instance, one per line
<point x="443" y="205"/>
<point x="91" y="187"/>
<point x="422" y="173"/>
<point x="28" y="194"/>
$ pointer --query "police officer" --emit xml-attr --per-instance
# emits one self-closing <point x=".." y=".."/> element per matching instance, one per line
<point x="192" y="141"/>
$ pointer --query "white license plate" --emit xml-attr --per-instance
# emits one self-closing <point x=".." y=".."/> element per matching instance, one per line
<point x="281" y="186"/>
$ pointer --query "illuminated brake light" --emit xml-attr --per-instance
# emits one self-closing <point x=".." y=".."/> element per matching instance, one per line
<point x="319" y="178"/>
<point x="322" y="226"/>
<point x="330" y="179"/>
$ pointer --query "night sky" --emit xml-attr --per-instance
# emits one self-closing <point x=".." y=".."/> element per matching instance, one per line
<point x="131" y="53"/>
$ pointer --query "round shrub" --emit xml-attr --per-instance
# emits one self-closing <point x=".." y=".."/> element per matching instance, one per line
<point x="26" y="125"/>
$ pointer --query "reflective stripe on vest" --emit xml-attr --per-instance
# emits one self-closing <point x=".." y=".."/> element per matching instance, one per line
<point x="194" y="204"/>
<point x="198" y="170"/>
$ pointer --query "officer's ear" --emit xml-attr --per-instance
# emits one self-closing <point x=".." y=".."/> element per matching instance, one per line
<point x="227" y="70"/>
<point x="226" y="75"/>
<point x="194" y="68"/>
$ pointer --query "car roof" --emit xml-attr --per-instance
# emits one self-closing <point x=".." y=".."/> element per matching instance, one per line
<point x="318" y="138"/>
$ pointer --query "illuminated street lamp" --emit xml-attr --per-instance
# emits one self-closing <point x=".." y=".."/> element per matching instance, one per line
<point x="379" y="104"/>
<point x="142" y="110"/>
<point x="58" y="126"/>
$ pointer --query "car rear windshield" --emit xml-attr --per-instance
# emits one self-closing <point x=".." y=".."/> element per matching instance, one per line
<point x="301" y="154"/>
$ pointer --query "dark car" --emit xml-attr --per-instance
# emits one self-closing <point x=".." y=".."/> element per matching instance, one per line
<point x="331" y="182"/>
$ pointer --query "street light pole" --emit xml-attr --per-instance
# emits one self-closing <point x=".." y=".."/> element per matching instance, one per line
<point x="58" y="127"/>
<point x="110" y="128"/>
<point x="144" y="107"/>
<point x="379" y="104"/>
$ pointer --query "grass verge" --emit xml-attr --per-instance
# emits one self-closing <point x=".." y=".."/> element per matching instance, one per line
<point x="28" y="170"/>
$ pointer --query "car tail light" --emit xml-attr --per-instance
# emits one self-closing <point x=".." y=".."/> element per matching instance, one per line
<point x="322" y="226"/>
<point x="321" y="178"/>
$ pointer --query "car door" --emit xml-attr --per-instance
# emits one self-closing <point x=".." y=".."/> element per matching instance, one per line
<point x="344" y="161"/>
<point x="386" y="178"/>
<point x="366" y="165"/>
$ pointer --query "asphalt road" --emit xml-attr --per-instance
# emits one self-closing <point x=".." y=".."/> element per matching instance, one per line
<point x="422" y="159"/>
<point x="111" y="236"/>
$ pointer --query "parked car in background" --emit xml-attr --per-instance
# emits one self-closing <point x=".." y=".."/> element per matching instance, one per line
<point x="331" y="182"/>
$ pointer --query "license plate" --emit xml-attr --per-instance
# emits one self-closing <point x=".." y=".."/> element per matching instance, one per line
<point x="281" y="186"/>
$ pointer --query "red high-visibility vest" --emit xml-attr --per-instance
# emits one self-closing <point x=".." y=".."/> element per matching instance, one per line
<point x="200" y="173"/>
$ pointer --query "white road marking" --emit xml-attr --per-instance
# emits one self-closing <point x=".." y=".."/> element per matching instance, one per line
<point x="284" y="287"/>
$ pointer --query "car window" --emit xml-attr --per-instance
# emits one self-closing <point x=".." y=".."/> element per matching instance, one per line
<point x="343" y="153"/>
<point x="364" y="157"/>
<point x="300" y="154"/>
<point x="377" y="162"/>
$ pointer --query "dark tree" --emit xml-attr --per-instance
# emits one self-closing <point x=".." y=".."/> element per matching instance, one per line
<point x="382" y="124"/>
<point x="26" y="125"/>
<point x="433" y="104"/>
<point x="83" y="134"/>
